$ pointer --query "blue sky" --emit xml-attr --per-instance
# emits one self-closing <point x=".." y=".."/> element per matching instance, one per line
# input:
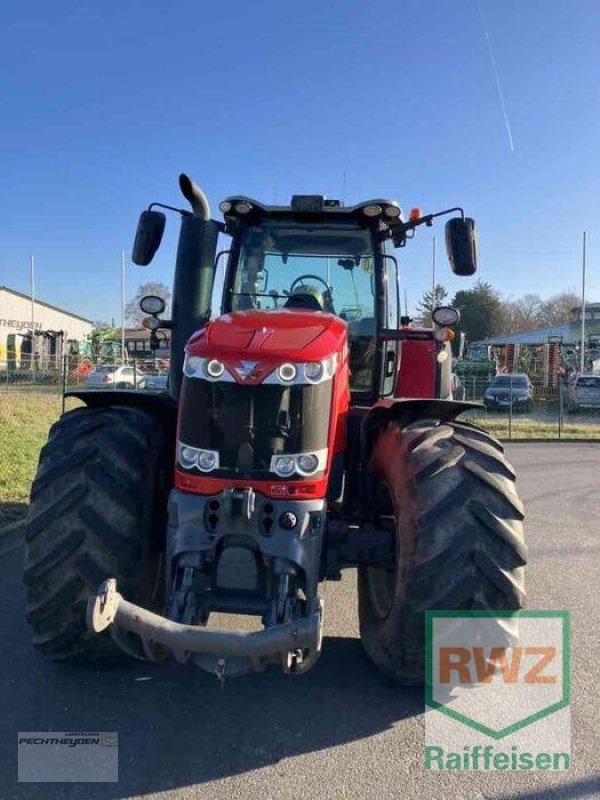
<point x="103" y="104"/>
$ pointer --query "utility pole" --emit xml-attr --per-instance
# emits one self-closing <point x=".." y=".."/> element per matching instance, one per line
<point x="32" y="283"/>
<point x="122" y="307"/>
<point x="433" y="297"/>
<point x="582" y="353"/>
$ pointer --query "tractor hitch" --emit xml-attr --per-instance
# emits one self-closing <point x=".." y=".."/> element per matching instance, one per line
<point x="296" y="645"/>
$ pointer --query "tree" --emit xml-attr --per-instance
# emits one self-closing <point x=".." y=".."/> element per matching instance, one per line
<point x="133" y="313"/>
<point x="555" y="310"/>
<point x="481" y="311"/>
<point x="522" y="314"/>
<point x="430" y="300"/>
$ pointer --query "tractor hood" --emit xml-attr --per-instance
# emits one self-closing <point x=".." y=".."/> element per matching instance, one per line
<point x="273" y="336"/>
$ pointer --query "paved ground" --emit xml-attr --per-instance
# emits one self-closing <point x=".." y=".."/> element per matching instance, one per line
<point x="339" y="731"/>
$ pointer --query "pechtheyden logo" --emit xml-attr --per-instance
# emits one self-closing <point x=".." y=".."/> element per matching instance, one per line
<point x="497" y="690"/>
<point x="68" y="757"/>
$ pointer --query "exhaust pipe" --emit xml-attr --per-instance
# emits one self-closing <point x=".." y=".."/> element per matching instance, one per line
<point x="194" y="276"/>
<point x="195" y="197"/>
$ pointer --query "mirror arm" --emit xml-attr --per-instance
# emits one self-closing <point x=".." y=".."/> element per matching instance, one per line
<point x="399" y="231"/>
<point x="181" y="211"/>
<point x="185" y="213"/>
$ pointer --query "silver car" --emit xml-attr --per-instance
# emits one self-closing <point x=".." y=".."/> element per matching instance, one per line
<point x="111" y="376"/>
<point x="584" y="392"/>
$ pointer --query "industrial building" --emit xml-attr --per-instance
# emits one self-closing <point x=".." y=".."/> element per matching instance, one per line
<point x="53" y="328"/>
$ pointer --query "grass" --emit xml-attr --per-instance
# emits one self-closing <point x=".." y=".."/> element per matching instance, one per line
<point x="537" y="429"/>
<point x="26" y="417"/>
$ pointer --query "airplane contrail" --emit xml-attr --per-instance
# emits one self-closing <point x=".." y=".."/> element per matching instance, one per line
<point x="497" y="77"/>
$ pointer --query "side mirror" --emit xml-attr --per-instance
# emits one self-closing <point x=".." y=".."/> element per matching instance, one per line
<point x="148" y="237"/>
<point x="461" y="244"/>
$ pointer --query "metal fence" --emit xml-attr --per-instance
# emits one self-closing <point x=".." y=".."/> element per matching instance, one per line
<point x="32" y="400"/>
<point x="537" y="411"/>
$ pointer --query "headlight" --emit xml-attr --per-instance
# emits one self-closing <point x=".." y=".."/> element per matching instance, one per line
<point x="313" y="370"/>
<point x="210" y="369"/>
<point x="197" y="458"/>
<point x="372" y="211"/>
<point x="214" y="368"/>
<point x="302" y="464"/>
<point x="243" y="207"/>
<point x="208" y="460"/>
<point x="304" y="372"/>
<point x="307" y="464"/>
<point x="287" y="373"/>
<point x="188" y="456"/>
<point x="284" y="466"/>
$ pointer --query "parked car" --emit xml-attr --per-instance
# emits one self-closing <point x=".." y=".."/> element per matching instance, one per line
<point x="510" y="389"/>
<point x="156" y="382"/>
<point x="114" y="377"/>
<point x="584" y="392"/>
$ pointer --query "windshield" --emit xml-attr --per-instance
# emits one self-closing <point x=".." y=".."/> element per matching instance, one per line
<point x="478" y="353"/>
<point x="333" y="265"/>
<point x="589" y="381"/>
<point x="510" y="380"/>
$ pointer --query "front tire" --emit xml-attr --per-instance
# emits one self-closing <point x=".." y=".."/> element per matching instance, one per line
<point x="90" y="518"/>
<point x="459" y="539"/>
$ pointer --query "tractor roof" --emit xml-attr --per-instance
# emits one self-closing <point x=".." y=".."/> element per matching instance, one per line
<point x="313" y="207"/>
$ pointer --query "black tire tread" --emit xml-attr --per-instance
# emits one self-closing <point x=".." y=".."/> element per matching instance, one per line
<point x="465" y="545"/>
<point x="90" y="518"/>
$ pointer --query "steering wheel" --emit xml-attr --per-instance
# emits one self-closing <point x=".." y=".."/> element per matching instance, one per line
<point x="327" y="297"/>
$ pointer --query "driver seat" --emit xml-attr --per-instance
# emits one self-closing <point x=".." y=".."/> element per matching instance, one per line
<point x="307" y="298"/>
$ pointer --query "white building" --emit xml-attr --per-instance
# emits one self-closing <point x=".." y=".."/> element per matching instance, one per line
<point x="53" y="327"/>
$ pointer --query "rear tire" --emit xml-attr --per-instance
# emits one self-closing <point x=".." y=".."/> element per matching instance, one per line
<point x="459" y="539"/>
<point x="90" y="518"/>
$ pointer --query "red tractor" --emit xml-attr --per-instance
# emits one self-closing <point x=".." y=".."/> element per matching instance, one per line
<point x="307" y="428"/>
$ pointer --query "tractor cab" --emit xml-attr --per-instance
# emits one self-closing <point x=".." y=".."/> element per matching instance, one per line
<point x="325" y="260"/>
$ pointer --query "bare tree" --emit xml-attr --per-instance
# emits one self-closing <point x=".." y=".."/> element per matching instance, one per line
<point x="133" y="313"/>
<point x="555" y="310"/>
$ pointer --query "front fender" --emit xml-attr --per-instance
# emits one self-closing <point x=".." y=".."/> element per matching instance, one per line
<point x="161" y="402"/>
<point x="407" y="412"/>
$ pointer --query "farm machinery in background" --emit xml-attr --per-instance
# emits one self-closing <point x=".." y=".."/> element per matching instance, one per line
<point x="307" y="429"/>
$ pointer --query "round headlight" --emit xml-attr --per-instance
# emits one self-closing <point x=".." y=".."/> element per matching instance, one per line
<point x="286" y="373"/>
<point x="188" y="457"/>
<point x="393" y="212"/>
<point x="191" y="366"/>
<point x="207" y="460"/>
<point x="243" y="207"/>
<point x="285" y="466"/>
<point x="307" y="464"/>
<point x="225" y="207"/>
<point x="445" y="315"/>
<point x="372" y="211"/>
<point x="214" y="368"/>
<point x="313" y="370"/>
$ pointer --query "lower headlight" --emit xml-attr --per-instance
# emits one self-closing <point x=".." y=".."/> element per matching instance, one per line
<point x="307" y="464"/>
<point x="197" y="458"/>
<point x="187" y="456"/>
<point x="208" y="460"/>
<point x="284" y="466"/>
